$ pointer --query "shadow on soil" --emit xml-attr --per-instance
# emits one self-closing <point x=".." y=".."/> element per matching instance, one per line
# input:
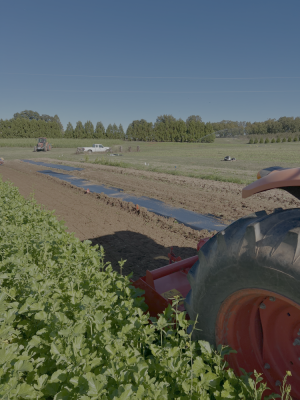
<point x="140" y="251"/>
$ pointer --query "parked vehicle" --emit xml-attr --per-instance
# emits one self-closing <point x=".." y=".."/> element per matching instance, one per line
<point x="42" y="145"/>
<point x="96" y="148"/>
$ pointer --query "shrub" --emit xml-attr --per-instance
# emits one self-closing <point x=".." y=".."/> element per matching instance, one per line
<point x="255" y="140"/>
<point x="261" y="140"/>
<point x="289" y="139"/>
<point x="273" y="140"/>
<point x="251" y="141"/>
<point x="267" y="141"/>
<point x="284" y="140"/>
<point x="295" y="139"/>
<point x="278" y="140"/>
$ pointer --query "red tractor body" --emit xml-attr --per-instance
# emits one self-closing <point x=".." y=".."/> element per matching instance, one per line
<point x="243" y="287"/>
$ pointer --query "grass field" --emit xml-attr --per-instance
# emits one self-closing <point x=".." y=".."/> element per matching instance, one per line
<point x="203" y="160"/>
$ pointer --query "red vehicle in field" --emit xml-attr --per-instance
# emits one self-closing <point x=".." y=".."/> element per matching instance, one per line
<point x="42" y="145"/>
<point x="243" y="286"/>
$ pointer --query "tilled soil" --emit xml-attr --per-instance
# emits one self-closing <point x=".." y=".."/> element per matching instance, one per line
<point x="220" y="199"/>
<point x="131" y="233"/>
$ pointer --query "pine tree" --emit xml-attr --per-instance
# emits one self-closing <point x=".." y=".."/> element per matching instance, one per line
<point x="56" y="118"/>
<point x="69" y="132"/>
<point x="99" y="131"/>
<point x="121" y="132"/>
<point x="88" y="129"/>
<point x="115" y="131"/>
<point x="109" y="131"/>
<point x="79" y="130"/>
<point x="129" y="132"/>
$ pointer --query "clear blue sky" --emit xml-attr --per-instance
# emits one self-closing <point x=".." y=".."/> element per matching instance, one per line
<point x="117" y="61"/>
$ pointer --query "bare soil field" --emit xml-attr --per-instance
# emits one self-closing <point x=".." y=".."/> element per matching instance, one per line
<point x="136" y="235"/>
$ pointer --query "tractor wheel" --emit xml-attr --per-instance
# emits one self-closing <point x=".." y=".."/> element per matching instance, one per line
<point x="245" y="290"/>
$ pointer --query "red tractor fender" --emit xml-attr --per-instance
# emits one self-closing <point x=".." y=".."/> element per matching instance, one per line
<point x="286" y="179"/>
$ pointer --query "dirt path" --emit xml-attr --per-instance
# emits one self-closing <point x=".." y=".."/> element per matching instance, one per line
<point x="140" y="237"/>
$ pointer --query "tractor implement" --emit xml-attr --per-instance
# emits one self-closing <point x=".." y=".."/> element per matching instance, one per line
<point x="162" y="284"/>
<point x="243" y="287"/>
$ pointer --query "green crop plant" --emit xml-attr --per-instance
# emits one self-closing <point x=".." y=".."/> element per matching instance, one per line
<point x="73" y="328"/>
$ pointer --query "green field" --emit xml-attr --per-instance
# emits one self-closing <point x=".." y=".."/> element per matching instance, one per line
<point x="202" y="160"/>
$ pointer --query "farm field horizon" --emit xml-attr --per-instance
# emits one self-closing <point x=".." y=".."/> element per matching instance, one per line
<point x="198" y="160"/>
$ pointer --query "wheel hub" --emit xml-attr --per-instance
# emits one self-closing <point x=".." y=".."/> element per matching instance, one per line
<point x="264" y="328"/>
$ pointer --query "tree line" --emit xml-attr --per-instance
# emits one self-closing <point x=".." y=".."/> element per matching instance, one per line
<point x="30" y="124"/>
<point x="169" y="129"/>
<point x="88" y="130"/>
<point x="270" y="126"/>
<point x="281" y="125"/>
<point x="166" y="128"/>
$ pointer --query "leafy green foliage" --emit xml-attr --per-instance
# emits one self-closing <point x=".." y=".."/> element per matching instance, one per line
<point x="30" y="128"/>
<point x="30" y="124"/>
<point x="169" y="129"/>
<point x="283" y="124"/>
<point x="72" y="328"/>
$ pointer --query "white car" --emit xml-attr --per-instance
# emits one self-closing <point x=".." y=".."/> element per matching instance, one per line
<point x="94" y="149"/>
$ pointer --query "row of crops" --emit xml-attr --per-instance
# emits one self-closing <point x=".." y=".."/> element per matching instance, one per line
<point x="72" y="328"/>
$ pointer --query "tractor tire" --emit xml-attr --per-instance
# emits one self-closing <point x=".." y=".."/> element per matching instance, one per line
<point x="245" y="293"/>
